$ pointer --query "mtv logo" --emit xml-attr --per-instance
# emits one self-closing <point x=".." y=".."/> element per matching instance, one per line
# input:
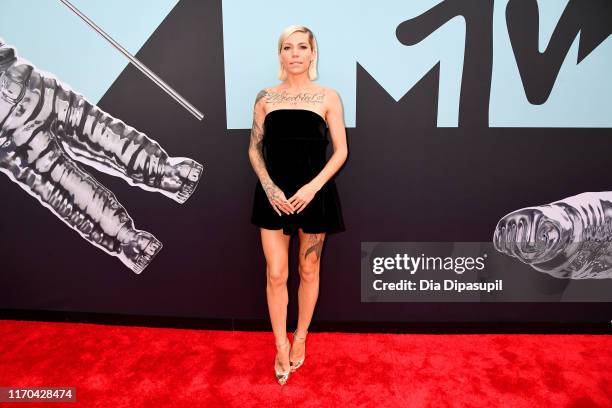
<point x="481" y="80"/>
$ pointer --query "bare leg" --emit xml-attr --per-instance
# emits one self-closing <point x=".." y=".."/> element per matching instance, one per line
<point x="309" y="266"/>
<point x="276" y="250"/>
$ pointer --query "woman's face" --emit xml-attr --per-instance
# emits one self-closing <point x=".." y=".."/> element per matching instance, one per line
<point x="296" y="53"/>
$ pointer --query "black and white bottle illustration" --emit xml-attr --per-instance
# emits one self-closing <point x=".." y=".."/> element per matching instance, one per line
<point x="570" y="238"/>
<point x="46" y="129"/>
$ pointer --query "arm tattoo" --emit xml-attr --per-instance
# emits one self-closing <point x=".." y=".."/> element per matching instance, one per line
<point x="260" y="95"/>
<point x="315" y="245"/>
<point x="256" y="155"/>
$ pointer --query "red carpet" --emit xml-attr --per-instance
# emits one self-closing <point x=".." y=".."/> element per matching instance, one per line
<point x="115" y="366"/>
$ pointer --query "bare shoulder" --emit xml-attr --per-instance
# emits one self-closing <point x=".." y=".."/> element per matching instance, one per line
<point x="331" y="95"/>
<point x="261" y="94"/>
<point x="332" y="98"/>
<point x="328" y="90"/>
<point x="260" y="104"/>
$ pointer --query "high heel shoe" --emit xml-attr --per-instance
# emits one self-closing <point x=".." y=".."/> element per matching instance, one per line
<point x="281" y="376"/>
<point x="296" y="364"/>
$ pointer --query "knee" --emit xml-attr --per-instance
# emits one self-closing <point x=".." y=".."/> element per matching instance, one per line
<point x="309" y="269"/>
<point x="277" y="274"/>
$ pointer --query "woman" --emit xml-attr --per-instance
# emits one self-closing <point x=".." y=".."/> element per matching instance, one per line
<point x="295" y="192"/>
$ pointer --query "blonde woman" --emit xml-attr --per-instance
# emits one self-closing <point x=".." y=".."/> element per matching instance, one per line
<point x="295" y="192"/>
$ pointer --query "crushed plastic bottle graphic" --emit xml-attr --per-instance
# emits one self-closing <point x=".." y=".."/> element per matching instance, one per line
<point x="46" y="128"/>
<point x="570" y="238"/>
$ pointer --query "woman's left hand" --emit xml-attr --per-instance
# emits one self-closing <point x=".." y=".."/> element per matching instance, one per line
<point x="303" y="197"/>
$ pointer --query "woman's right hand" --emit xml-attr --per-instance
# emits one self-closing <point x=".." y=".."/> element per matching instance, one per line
<point x="277" y="199"/>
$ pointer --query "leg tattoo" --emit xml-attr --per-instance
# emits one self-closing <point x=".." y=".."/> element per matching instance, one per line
<point x="315" y="245"/>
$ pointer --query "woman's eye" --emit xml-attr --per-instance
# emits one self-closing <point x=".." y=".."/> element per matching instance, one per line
<point x="285" y="48"/>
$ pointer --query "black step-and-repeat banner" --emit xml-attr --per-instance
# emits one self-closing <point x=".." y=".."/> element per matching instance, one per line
<point x="477" y="186"/>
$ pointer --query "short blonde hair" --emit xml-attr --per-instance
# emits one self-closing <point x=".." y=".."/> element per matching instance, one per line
<point x="312" y="69"/>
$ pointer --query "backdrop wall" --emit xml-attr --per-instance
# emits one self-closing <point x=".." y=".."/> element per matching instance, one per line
<point x="493" y="106"/>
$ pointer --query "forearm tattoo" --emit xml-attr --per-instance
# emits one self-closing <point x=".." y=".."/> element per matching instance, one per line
<point x="315" y="245"/>
<point x="257" y="159"/>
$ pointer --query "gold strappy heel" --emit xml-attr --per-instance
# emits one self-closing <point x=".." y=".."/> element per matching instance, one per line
<point x="296" y="364"/>
<point x="281" y="376"/>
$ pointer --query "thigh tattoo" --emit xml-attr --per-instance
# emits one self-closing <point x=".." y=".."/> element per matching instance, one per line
<point x="315" y="245"/>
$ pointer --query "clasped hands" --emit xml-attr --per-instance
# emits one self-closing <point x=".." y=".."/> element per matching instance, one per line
<point x="295" y="204"/>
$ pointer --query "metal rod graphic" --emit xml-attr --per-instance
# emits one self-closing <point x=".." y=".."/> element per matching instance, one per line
<point x="158" y="81"/>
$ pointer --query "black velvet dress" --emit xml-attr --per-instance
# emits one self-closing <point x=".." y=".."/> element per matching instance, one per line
<point x="294" y="149"/>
